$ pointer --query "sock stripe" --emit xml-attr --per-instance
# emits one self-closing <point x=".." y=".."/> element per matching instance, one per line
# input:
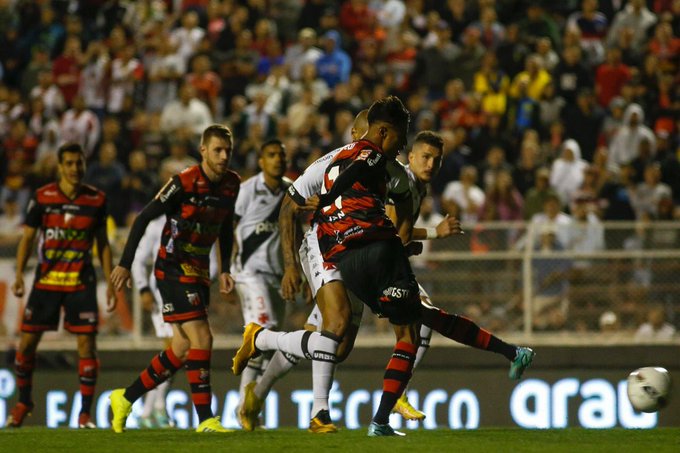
<point x="147" y="380"/>
<point x="201" y="398"/>
<point x="391" y="385"/>
<point x="399" y="364"/>
<point x="305" y="344"/>
<point x="198" y="354"/>
<point x="169" y="356"/>
<point x="405" y="347"/>
<point x="291" y="358"/>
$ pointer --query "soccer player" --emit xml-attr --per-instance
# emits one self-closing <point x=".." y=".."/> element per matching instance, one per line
<point x="199" y="207"/>
<point x="257" y="266"/>
<point x="424" y="161"/>
<point x="325" y="286"/>
<point x="357" y="239"/>
<point x="68" y="216"/>
<point x="154" y="413"/>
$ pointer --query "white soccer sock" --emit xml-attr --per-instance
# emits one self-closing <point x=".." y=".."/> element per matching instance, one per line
<point x="251" y="372"/>
<point x="300" y="343"/>
<point x="424" y="345"/>
<point x="149" y="401"/>
<point x="279" y="365"/>
<point x="161" y="393"/>
<point x="322" y="381"/>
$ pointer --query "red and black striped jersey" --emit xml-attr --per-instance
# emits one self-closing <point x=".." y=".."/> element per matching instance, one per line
<point x="67" y="230"/>
<point x="358" y="215"/>
<point x="195" y="210"/>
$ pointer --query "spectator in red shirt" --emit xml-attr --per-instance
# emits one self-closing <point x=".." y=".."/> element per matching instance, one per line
<point x="205" y="81"/>
<point x="357" y="19"/>
<point x="66" y="69"/>
<point x="610" y="77"/>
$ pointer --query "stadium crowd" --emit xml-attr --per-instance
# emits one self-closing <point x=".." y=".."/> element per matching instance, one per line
<point x="549" y="110"/>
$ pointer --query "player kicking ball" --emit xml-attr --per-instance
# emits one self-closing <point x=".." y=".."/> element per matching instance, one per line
<point x="199" y="207"/>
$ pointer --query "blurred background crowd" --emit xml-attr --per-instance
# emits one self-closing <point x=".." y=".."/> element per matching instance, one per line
<point x="555" y="112"/>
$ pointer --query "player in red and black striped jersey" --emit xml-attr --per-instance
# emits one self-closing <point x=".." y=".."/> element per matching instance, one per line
<point x="359" y="214"/>
<point x="199" y="207"/>
<point x="69" y="217"/>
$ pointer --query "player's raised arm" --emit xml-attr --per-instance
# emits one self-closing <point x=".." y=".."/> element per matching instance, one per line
<point x="165" y="200"/>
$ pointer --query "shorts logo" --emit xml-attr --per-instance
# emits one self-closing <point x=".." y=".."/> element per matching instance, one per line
<point x="87" y="315"/>
<point x="28" y="314"/>
<point x="397" y="293"/>
<point x="194" y="299"/>
<point x="167" y="308"/>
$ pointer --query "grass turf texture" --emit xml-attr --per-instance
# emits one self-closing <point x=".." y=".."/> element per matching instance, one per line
<point x="293" y="440"/>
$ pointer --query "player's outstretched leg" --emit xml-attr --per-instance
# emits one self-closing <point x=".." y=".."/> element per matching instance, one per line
<point x="161" y="368"/>
<point x="465" y="331"/>
<point x="521" y="362"/>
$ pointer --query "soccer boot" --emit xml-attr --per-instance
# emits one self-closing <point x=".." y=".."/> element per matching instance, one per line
<point x="121" y="408"/>
<point x="146" y="422"/>
<point x="18" y="414"/>
<point x="523" y="359"/>
<point x="322" y="423"/>
<point x="247" y="350"/>
<point x="249" y="411"/>
<point x="162" y="420"/>
<point x="85" y="422"/>
<point x="376" y="430"/>
<point x="404" y="408"/>
<point x="212" y="425"/>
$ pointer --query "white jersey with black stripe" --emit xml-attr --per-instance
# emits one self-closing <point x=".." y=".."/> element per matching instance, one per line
<point x="257" y="231"/>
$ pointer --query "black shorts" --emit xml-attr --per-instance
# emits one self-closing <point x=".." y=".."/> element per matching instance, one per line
<point x="379" y="273"/>
<point x="183" y="301"/>
<point x="81" y="313"/>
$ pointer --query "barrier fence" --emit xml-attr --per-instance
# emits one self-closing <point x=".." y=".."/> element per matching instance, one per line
<point x="532" y="282"/>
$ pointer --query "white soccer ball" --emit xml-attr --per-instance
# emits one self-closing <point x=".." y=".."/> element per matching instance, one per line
<point x="649" y="388"/>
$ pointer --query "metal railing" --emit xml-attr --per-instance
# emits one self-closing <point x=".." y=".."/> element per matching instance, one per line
<point x="504" y="276"/>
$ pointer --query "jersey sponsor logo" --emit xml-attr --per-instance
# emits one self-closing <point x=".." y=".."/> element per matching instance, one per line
<point x="191" y="248"/>
<point x="195" y="227"/>
<point x="56" y="278"/>
<point x="68" y="234"/>
<point x="340" y="237"/>
<point x="64" y="255"/>
<point x="167" y="191"/>
<point x="397" y="293"/>
<point x="193" y="271"/>
<point x="266" y="227"/>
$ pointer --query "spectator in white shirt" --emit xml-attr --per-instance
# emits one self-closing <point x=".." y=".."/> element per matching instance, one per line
<point x="187" y="37"/>
<point x="656" y="327"/>
<point x="80" y="125"/>
<point x="302" y="53"/>
<point x="462" y="199"/>
<point x="186" y="112"/>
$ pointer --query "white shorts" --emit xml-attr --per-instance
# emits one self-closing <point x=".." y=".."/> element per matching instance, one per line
<point x="261" y="300"/>
<point x="312" y="263"/>
<point x="162" y="328"/>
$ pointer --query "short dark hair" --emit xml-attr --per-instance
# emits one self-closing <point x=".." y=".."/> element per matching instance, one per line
<point x="430" y="138"/>
<point x="69" y="148"/>
<point x="389" y="110"/>
<point x="270" y="141"/>
<point x="217" y="130"/>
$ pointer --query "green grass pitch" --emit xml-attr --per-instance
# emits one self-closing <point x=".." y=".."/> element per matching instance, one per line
<point x="577" y="440"/>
